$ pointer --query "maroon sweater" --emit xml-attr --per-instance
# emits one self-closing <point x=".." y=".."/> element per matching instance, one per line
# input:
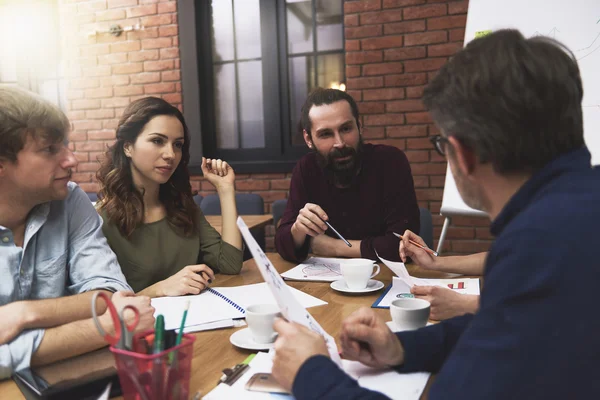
<point x="381" y="200"/>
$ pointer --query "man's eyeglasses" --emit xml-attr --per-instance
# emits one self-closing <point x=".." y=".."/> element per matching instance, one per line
<point x="439" y="143"/>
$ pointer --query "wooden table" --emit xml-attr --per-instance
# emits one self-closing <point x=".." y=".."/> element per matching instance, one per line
<point x="212" y="350"/>
<point x="253" y="221"/>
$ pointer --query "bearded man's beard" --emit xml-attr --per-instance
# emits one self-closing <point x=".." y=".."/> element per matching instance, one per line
<point x="344" y="171"/>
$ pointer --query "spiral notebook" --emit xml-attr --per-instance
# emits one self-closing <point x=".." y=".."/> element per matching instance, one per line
<point x="221" y="303"/>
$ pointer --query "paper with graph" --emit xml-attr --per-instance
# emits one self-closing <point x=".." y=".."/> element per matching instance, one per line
<point x="319" y="269"/>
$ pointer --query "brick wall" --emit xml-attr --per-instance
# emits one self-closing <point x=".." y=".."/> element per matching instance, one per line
<point x="393" y="47"/>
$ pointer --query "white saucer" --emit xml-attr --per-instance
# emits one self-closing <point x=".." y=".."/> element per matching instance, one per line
<point x="394" y="328"/>
<point x="372" y="286"/>
<point x="243" y="339"/>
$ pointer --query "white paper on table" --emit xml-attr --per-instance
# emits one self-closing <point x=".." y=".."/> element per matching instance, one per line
<point x="259" y="293"/>
<point x="105" y="395"/>
<point x="289" y="306"/>
<point x="226" y="323"/>
<point x="318" y="269"/>
<point x="389" y="382"/>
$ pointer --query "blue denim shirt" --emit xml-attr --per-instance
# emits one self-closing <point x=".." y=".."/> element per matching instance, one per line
<point x="64" y="252"/>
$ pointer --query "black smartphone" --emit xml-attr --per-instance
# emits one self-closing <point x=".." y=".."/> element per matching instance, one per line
<point x="84" y="377"/>
<point x="263" y="382"/>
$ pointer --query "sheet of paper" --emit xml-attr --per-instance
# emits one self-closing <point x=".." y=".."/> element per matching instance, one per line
<point x="226" y="323"/>
<point x="290" y="307"/>
<point x="204" y="307"/>
<point x="259" y="293"/>
<point x="389" y="382"/>
<point x="318" y="269"/>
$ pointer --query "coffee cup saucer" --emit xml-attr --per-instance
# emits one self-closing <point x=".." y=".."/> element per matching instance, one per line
<point x="243" y="339"/>
<point x="372" y="286"/>
<point x="395" y="328"/>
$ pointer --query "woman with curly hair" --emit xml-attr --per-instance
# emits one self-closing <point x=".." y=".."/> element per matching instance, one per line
<point x="162" y="240"/>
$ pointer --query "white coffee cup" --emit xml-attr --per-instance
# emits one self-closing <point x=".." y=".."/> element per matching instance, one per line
<point x="357" y="272"/>
<point x="408" y="314"/>
<point x="260" y="318"/>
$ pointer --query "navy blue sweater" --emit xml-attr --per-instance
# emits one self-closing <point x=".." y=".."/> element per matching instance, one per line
<point x="537" y="333"/>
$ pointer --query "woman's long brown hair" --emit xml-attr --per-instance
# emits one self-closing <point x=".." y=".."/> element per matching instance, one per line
<point x="120" y="200"/>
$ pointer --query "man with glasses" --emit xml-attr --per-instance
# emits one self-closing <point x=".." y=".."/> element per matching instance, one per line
<point x="509" y="109"/>
<point x="53" y="256"/>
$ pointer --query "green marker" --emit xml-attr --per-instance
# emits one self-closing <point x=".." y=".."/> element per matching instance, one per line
<point x="180" y="333"/>
<point x="479" y="34"/>
<point x="248" y="359"/>
<point x="159" y="334"/>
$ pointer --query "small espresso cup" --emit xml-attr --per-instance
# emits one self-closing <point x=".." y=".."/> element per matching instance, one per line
<point x="357" y="272"/>
<point x="260" y="318"/>
<point x="408" y="314"/>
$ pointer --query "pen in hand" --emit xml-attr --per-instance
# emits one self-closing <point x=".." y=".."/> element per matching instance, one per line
<point x="338" y="234"/>
<point x="427" y="249"/>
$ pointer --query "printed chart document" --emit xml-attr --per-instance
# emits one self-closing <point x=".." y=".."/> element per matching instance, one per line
<point x="318" y="269"/>
<point x="289" y="306"/>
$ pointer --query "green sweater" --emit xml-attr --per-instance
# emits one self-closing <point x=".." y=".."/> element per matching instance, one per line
<point x="155" y="251"/>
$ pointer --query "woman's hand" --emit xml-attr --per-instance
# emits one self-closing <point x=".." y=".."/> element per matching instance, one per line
<point x="190" y="280"/>
<point x="218" y="173"/>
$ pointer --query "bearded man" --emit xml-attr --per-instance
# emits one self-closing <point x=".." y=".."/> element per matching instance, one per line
<point x="365" y="191"/>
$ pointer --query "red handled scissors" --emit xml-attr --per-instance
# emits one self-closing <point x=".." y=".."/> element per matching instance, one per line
<point x="123" y="335"/>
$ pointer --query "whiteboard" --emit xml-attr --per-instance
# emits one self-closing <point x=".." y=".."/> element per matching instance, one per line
<point x="575" y="23"/>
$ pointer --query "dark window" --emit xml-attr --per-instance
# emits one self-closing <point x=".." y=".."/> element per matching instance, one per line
<point x="257" y="61"/>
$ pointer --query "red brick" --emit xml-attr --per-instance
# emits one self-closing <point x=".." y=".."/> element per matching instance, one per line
<point x="171" y="52"/>
<point x="383" y="94"/>
<point x="100" y="114"/>
<point x="86" y="104"/>
<point x="455" y="232"/>
<point x="404" y="53"/>
<point x="91" y="6"/>
<point x="416" y="156"/>
<point x="86" y="125"/>
<point x="147" y="33"/>
<point x="140" y="11"/>
<point x="252" y="185"/>
<point x="74" y="115"/>
<point x="382" y="69"/>
<point x="82" y="176"/>
<point x="351" y="20"/>
<point x="428" y="64"/>
<point x="111" y="123"/>
<point x="170" y="6"/>
<point x="270" y="197"/>
<point x="115" y="80"/>
<point x="415" y="92"/>
<point x="129" y="68"/>
<point x="470" y="246"/>
<point x="115" y="102"/>
<point x="437" y="181"/>
<point x="125" y="46"/>
<point x="281" y="184"/>
<point x="101" y="135"/>
<point x="352" y="45"/>
<point x="418" y="118"/>
<point x="442" y="50"/>
<point x="453" y="21"/>
<point x="89" y="146"/>
<point x="418" y="143"/>
<point x="406" y="131"/>
<point x="384" y="119"/>
<point x="429" y="169"/>
<point x="421" y="181"/>
<point x="159" y="88"/>
<point x="101" y="70"/>
<point x="457" y="35"/>
<point x="435" y="156"/>
<point x="156" y="43"/>
<point x="145" y="55"/>
<point x="356" y="94"/>
<point x="170" y="30"/>
<point x="364" y="57"/>
<point x="121" y="3"/>
<point x="116" y="58"/>
<point x="77" y="136"/>
<point x="94" y="49"/>
<point x="161" y="65"/>
<point x="434" y="10"/>
<point x="158" y="20"/>
<point x="145" y="77"/>
<point x="129" y="90"/>
<point x="401" y="3"/>
<point x="373" y="132"/>
<point x="483" y="233"/>
<point x="363" y="31"/>
<point x="361" y="83"/>
<point x="98" y="93"/>
<point x="110" y="15"/>
<point x="352" y="71"/>
<point x="90" y="187"/>
<point x="405" y="79"/>
<point x="371" y="108"/>
<point x="404" y="27"/>
<point x="415" y="39"/>
<point x="173" y="98"/>
<point x="384" y="42"/>
<point x="351" y="7"/>
<point x="398" y="143"/>
<point x="458" y="7"/>
<point x="380" y="17"/>
<point x="471" y="221"/>
<point x="73" y="94"/>
<point x="168" y="76"/>
<point x="176" y="41"/>
<point x="261" y="176"/>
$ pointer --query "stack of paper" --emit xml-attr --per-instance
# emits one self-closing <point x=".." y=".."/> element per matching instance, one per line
<point x="316" y="269"/>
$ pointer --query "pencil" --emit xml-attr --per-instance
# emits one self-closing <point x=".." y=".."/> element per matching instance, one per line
<point x="338" y="234"/>
<point x="427" y="249"/>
